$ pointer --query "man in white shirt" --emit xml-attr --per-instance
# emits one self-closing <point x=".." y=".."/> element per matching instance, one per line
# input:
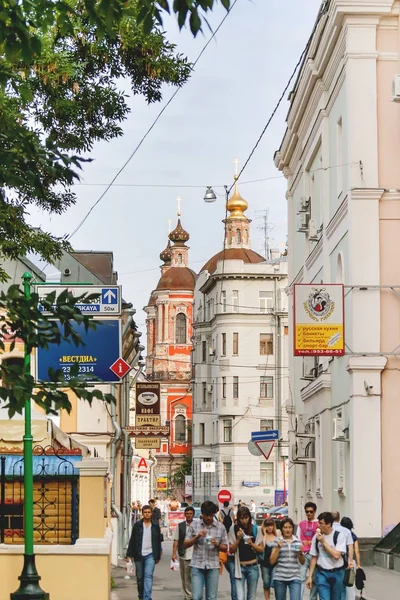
<point x="327" y="550"/>
<point x="184" y="532"/>
<point x="349" y="543"/>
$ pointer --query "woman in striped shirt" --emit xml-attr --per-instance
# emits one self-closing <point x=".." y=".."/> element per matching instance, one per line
<point x="287" y="558"/>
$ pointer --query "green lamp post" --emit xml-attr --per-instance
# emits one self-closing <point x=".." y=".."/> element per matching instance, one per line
<point x="29" y="588"/>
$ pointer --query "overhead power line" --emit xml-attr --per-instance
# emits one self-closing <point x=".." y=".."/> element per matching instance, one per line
<point x="151" y="127"/>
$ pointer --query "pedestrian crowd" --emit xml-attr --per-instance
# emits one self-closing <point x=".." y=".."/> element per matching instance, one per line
<point x="322" y="553"/>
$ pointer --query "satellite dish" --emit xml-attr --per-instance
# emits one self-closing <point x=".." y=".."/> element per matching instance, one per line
<point x="253" y="449"/>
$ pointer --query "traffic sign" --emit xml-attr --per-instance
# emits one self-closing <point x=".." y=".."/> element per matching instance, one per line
<point x="271" y="434"/>
<point x="120" y="368"/>
<point x="102" y="348"/>
<point x="107" y="300"/>
<point x="266" y="447"/>
<point x="224" y="496"/>
<point x="253" y="449"/>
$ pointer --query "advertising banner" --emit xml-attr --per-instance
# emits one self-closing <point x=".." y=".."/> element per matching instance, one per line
<point x="174" y="517"/>
<point x="147" y="400"/>
<point x="188" y="486"/>
<point x="162" y="483"/>
<point x="318" y="320"/>
<point x="147" y="443"/>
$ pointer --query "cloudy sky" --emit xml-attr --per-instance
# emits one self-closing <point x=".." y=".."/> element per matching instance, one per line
<point x="217" y="116"/>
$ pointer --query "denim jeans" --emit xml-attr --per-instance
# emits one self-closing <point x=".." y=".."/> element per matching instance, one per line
<point x="250" y="575"/>
<point x="293" y="586"/>
<point x="330" y="584"/>
<point x="266" y="574"/>
<point x="303" y="572"/>
<point x="230" y="567"/>
<point x="204" y="577"/>
<point x="144" y="576"/>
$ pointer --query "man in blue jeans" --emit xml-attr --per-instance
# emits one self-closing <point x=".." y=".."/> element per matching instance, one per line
<point x="327" y="550"/>
<point x="145" y="549"/>
<point x="208" y="538"/>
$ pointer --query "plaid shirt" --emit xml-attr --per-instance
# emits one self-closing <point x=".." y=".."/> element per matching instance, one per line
<point x="206" y="555"/>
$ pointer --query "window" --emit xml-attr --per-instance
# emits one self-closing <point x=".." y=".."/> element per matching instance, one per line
<point x="180" y="329"/>
<point x="223" y="350"/>
<point x="204" y="351"/>
<point x="227" y="424"/>
<point x="235" y="345"/>
<point x="266" y="301"/>
<point x="235" y="301"/>
<point x="266" y="387"/>
<point x="223" y="301"/>
<point x="238" y="237"/>
<point x="285" y="330"/>
<point x="208" y="310"/>
<point x="266" y="424"/>
<point x="180" y="428"/>
<point x="266" y="343"/>
<point x="201" y="434"/>
<point x="227" y="473"/>
<point x="235" y="387"/>
<point x="204" y="394"/>
<point x="224" y="387"/>
<point x="179" y="259"/>
<point x="339" y="156"/>
<point x="267" y="473"/>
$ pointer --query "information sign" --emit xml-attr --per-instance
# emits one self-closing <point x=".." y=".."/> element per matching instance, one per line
<point x="106" y="302"/>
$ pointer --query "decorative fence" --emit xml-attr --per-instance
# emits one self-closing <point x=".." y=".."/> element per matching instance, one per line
<point x="55" y="497"/>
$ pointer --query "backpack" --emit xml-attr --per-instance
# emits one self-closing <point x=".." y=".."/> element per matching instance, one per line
<point x="181" y="538"/>
<point x="227" y="520"/>
<point x="335" y="539"/>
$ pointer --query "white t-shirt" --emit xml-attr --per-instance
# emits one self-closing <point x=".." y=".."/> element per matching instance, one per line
<point x="324" y="559"/>
<point x="189" y="535"/>
<point x="346" y="533"/>
<point x="146" y="542"/>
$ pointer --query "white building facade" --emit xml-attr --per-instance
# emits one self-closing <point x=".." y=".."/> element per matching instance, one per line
<point x="340" y="157"/>
<point x="240" y="375"/>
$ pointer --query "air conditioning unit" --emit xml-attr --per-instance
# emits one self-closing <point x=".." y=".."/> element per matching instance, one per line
<point x="210" y="388"/>
<point x="312" y="231"/>
<point x="310" y="366"/>
<point x="340" y="434"/>
<point x="303" y="451"/>
<point x="302" y="222"/>
<point x="211" y="352"/>
<point x="396" y="89"/>
<point x="304" y="427"/>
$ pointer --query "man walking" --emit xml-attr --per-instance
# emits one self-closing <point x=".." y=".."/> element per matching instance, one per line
<point x="305" y="532"/>
<point x="145" y="549"/>
<point x="349" y="563"/>
<point x="327" y="550"/>
<point x="155" y="512"/>
<point x="181" y="533"/>
<point x="208" y="538"/>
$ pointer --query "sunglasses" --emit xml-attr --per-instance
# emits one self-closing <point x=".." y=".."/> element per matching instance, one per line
<point x="310" y="511"/>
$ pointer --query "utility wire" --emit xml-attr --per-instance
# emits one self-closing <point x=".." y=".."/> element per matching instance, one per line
<point x="151" y="126"/>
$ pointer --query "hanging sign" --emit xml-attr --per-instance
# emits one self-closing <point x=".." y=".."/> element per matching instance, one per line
<point x="319" y="319"/>
<point x="147" y="398"/>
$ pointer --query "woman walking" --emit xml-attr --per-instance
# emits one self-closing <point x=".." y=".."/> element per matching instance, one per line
<point x="246" y="542"/>
<point x="270" y="541"/>
<point x="348" y="523"/>
<point x="287" y="558"/>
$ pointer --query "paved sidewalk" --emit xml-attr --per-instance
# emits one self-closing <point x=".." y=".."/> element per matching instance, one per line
<point x="381" y="584"/>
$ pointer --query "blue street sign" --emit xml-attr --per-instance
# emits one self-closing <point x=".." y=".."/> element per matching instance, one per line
<point x="102" y="348"/>
<point x="265" y="436"/>
<point x="106" y="303"/>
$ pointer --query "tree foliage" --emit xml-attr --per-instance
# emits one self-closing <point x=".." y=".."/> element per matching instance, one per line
<point x="178" y="478"/>
<point x="22" y="321"/>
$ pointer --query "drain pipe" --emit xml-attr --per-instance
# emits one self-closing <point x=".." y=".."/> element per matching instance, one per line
<point x="114" y="443"/>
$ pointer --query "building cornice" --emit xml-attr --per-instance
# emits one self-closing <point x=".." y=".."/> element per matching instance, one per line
<point x="323" y="382"/>
<point x="213" y="279"/>
<point x="337" y="218"/>
<point x="315" y="254"/>
<point x="366" y="363"/>
<point x="367" y="193"/>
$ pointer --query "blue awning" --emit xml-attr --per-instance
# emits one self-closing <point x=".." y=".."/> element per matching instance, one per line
<point x="43" y="465"/>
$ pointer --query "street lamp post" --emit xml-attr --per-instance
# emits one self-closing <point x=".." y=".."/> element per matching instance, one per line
<point x="29" y="588"/>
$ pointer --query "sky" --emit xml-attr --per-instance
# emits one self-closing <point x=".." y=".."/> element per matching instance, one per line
<point x="216" y="117"/>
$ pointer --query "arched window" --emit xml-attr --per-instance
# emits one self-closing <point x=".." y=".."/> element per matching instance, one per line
<point x="180" y="329"/>
<point x="179" y="259"/>
<point x="238" y="236"/>
<point x="180" y="428"/>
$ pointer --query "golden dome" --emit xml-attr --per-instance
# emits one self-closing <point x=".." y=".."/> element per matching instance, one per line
<point x="236" y="204"/>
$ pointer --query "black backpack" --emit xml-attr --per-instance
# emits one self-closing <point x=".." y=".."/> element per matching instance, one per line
<point x="335" y="539"/>
<point x="227" y="520"/>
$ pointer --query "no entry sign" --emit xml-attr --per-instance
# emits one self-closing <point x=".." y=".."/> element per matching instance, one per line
<point x="224" y="496"/>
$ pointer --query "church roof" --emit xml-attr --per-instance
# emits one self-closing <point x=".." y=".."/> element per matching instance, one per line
<point x="179" y="236"/>
<point x="177" y="278"/>
<point x="244" y="254"/>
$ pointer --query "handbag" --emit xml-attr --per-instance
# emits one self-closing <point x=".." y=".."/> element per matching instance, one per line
<point x="360" y="578"/>
<point x="349" y="578"/>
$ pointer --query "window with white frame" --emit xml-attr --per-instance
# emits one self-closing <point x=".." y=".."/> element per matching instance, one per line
<point x="223" y="340"/>
<point x="235" y="344"/>
<point x="204" y="351"/>
<point x="266" y="473"/>
<point x="204" y="384"/>
<point x="235" y="300"/>
<point x="266" y="300"/>
<point x="180" y="428"/>
<point x="227" y="473"/>
<point x="266" y="343"/>
<point x="266" y="386"/>
<point x="223" y="387"/>
<point x="266" y="424"/>
<point x="201" y="434"/>
<point x="223" y="301"/>
<point x="235" y="387"/>
<point x="227" y="427"/>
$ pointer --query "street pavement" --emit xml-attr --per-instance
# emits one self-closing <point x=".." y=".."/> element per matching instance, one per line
<point x="380" y="585"/>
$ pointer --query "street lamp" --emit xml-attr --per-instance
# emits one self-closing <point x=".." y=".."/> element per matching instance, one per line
<point x="210" y="196"/>
<point x="29" y="587"/>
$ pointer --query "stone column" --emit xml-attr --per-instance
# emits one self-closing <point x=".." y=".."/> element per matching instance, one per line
<point x="93" y="497"/>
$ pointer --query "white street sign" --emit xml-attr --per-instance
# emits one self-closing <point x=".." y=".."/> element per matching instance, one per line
<point x="107" y="302"/>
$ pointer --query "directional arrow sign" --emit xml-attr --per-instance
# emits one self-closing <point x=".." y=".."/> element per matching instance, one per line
<point x="109" y="296"/>
<point x="105" y="300"/>
<point x="272" y="434"/>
